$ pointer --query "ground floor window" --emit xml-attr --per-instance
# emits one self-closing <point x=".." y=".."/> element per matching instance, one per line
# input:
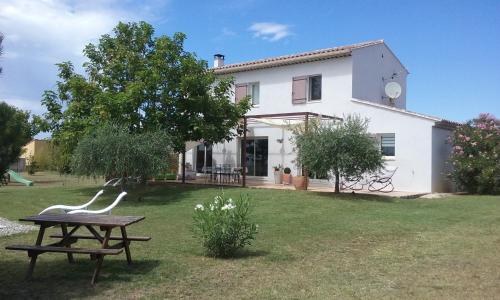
<point x="388" y="144"/>
<point x="256" y="155"/>
<point x="200" y="157"/>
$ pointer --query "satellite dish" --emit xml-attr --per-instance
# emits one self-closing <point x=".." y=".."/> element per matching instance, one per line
<point x="393" y="90"/>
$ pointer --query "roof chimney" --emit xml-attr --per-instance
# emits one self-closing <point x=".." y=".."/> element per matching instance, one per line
<point x="218" y="60"/>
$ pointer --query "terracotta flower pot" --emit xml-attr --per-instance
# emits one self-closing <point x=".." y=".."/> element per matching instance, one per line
<point x="299" y="182"/>
<point x="287" y="178"/>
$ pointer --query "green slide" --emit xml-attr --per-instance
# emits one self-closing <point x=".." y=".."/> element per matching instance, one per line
<point x="19" y="178"/>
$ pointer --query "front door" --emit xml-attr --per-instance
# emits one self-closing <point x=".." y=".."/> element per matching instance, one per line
<point x="256" y="156"/>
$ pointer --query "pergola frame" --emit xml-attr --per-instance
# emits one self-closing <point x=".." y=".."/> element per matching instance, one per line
<point x="282" y="116"/>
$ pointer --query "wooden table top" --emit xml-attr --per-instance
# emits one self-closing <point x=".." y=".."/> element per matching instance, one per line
<point x="84" y="219"/>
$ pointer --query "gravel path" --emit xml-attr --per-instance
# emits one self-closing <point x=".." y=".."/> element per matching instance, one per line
<point x="8" y="227"/>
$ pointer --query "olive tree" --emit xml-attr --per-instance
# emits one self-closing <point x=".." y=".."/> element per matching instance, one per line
<point x="113" y="151"/>
<point x="340" y="148"/>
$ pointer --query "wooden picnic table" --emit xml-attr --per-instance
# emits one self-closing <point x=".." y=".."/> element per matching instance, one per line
<point x="104" y="223"/>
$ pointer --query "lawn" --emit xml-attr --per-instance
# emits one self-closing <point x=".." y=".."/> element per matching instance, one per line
<point x="310" y="245"/>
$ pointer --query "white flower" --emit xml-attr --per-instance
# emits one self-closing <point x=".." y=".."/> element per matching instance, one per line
<point x="199" y="207"/>
<point x="212" y="207"/>
<point x="228" y="206"/>
<point x="230" y="200"/>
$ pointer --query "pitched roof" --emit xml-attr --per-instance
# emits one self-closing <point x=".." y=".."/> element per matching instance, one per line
<point x="294" y="58"/>
<point x="440" y="122"/>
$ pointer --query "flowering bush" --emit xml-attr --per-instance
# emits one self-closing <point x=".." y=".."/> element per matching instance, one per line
<point x="223" y="225"/>
<point x="476" y="155"/>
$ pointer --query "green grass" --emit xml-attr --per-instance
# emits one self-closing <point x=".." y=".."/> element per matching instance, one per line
<point x="310" y="245"/>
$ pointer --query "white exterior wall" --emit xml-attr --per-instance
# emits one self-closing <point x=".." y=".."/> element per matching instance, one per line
<point x="373" y="68"/>
<point x="413" y="149"/>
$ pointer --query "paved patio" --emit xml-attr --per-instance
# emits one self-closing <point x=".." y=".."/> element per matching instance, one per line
<point x="314" y="186"/>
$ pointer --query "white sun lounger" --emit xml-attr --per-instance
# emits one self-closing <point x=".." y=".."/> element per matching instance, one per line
<point x="68" y="208"/>
<point x="106" y="210"/>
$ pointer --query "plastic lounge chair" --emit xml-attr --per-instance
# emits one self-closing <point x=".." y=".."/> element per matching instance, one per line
<point x="382" y="182"/>
<point x="103" y="211"/>
<point x="67" y="208"/>
<point x="113" y="182"/>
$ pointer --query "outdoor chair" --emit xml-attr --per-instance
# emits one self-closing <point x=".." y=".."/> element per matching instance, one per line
<point x="67" y="208"/>
<point x="356" y="183"/>
<point x="382" y="182"/>
<point x="103" y="211"/>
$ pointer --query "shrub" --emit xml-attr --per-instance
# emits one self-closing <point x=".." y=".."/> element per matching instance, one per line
<point x="476" y="155"/>
<point x="224" y="226"/>
<point x="33" y="166"/>
<point x="287" y="170"/>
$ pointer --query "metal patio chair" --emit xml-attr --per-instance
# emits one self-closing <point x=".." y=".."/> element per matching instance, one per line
<point x="382" y="182"/>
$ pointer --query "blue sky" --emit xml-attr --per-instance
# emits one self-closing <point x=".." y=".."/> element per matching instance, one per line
<point x="451" y="48"/>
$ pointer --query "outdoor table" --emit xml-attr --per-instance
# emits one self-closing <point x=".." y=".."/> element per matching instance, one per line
<point x="105" y="223"/>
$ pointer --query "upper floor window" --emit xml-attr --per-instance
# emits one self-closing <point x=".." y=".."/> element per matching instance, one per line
<point x="315" y="88"/>
<point x="248" y="89"/>
<point x="306" y="88"/>
<point x="388" y="144"/>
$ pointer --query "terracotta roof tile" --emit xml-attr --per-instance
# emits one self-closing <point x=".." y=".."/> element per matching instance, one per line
<point x="293" y="58"/>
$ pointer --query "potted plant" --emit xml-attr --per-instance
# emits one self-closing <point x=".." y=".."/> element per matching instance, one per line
<point x="300" y="182"/>
<point x="278" y="179"/>
<point x="287" y="177"/>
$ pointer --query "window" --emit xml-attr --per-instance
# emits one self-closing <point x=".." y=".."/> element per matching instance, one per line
<point x="315" y="88"/>
<point x="253" y="92"/>
<point x="248" y="89"/>
<point x="388" y="144"/>
<point x="306" y="88"/>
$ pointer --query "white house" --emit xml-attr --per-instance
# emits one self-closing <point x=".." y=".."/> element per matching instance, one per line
<point x="335" y="82"/>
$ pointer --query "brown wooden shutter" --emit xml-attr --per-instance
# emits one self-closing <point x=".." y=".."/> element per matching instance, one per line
<point x="299" y="90"/>
<point x="241" y="92"/>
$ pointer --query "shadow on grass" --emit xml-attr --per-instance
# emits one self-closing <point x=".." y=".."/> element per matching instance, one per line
<point x="355" y="197"/>
<point x="165" y="193"/>
<point x="245" y="253"/>
<point x="59" y="279"/>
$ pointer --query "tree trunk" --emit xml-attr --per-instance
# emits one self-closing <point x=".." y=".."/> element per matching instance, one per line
<point x="184" y="165"/>
<point x="337" y="182"/>
<point x="123" y="183"/>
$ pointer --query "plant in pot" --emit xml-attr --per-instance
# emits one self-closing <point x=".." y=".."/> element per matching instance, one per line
<point x="287" y="177"/>
<point x="278" y="178"/>
<point x="300" y="182"/>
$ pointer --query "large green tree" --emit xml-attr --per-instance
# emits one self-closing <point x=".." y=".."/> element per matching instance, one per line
<point x="143" y="82"/>
<point x="15" y="131"/>
<point x="344" y="149"/>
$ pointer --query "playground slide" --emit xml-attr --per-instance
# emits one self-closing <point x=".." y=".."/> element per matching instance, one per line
<point x="19" y="178"/>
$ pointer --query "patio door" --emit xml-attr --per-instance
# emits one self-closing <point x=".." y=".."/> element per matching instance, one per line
<point x="256" y="156"/>
<point x="200" y="157"/>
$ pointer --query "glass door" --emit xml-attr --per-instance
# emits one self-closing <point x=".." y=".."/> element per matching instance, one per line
<point x="200" y="157"/>
<point x="256" y="156"/>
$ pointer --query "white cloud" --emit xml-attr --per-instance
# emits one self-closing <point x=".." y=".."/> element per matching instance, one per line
<point x="270" y="31"/>
<point x="28" y="105"/>
<point x="54" y="30"/>
<point x="40" y="33"/>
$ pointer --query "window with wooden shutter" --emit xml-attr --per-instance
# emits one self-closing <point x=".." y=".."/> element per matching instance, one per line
<point x="299" y="90"/>
<point x="241" y="92"/>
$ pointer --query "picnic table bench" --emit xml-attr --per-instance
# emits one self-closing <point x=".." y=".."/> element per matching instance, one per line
<point x="105" y="223"/>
